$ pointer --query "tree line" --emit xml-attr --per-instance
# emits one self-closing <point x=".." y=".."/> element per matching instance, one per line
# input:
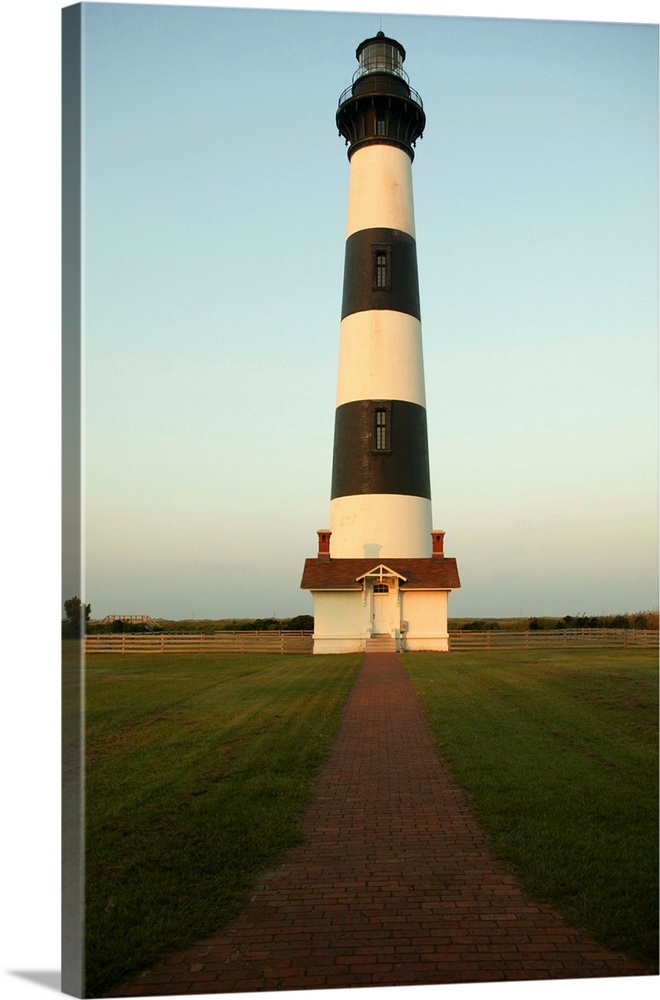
<point x="641" y="620"/>
<point x="77" y="622"/>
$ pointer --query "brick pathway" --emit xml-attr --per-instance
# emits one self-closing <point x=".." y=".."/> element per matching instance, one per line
<point x="393" y="885"/>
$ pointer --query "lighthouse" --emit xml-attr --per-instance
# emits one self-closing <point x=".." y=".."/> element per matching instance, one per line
<point x="380" y="579"/>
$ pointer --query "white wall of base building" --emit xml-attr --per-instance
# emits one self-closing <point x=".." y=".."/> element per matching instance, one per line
<point x="344" y="620"/>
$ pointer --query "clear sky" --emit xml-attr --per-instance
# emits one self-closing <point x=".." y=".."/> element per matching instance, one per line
<point x="215" y="190"/>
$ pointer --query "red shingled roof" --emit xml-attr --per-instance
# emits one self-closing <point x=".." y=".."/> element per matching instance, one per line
<point x="345" y="574"/>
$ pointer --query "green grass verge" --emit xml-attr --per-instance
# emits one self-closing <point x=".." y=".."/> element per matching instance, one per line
<point x="198" y="771"/>
<point x="559" y="753"/>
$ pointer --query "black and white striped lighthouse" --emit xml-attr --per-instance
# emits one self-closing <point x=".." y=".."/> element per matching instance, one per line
<point x="381" y="491"/>
<point x="380" y="507"/>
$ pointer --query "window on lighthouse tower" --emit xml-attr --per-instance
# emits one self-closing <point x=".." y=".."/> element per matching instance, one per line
<point x="381" y="267"/>
<point x="381" y="429"/>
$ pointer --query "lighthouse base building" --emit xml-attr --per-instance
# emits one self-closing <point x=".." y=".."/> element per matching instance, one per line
<point x="369" y="604"/>
<point x="380" y="579"/>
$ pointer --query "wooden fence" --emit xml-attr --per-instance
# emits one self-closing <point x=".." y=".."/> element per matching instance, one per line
<point x="198" y="642"/>
<point x="617" y="638"/>
<point x="301" y="642"/>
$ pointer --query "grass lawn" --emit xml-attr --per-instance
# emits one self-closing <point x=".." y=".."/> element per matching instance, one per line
<point x="559" y="753"/>
<point x="198" y="770"/>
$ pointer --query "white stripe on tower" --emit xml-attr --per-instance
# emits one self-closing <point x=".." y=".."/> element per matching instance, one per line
<point x="380" y="190"/>
<point x="381" y="503"/>
<point x="380" y="357"/>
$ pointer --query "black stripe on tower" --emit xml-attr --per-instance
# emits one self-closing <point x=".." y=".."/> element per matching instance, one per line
<point x="380" y="272"/>
<point x="381" y="446"/>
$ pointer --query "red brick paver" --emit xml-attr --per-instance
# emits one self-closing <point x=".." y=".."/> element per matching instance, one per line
<point x="393" y="885"/>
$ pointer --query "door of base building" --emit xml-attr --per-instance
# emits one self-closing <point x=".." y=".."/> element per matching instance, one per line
<point x="381" y="623"/>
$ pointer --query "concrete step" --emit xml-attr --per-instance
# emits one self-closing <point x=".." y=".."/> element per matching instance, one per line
<point x="381" y="644"/>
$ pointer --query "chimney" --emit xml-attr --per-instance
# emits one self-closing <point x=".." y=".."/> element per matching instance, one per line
<point x="438" y="538"/>
<point x="324" y="543"/>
